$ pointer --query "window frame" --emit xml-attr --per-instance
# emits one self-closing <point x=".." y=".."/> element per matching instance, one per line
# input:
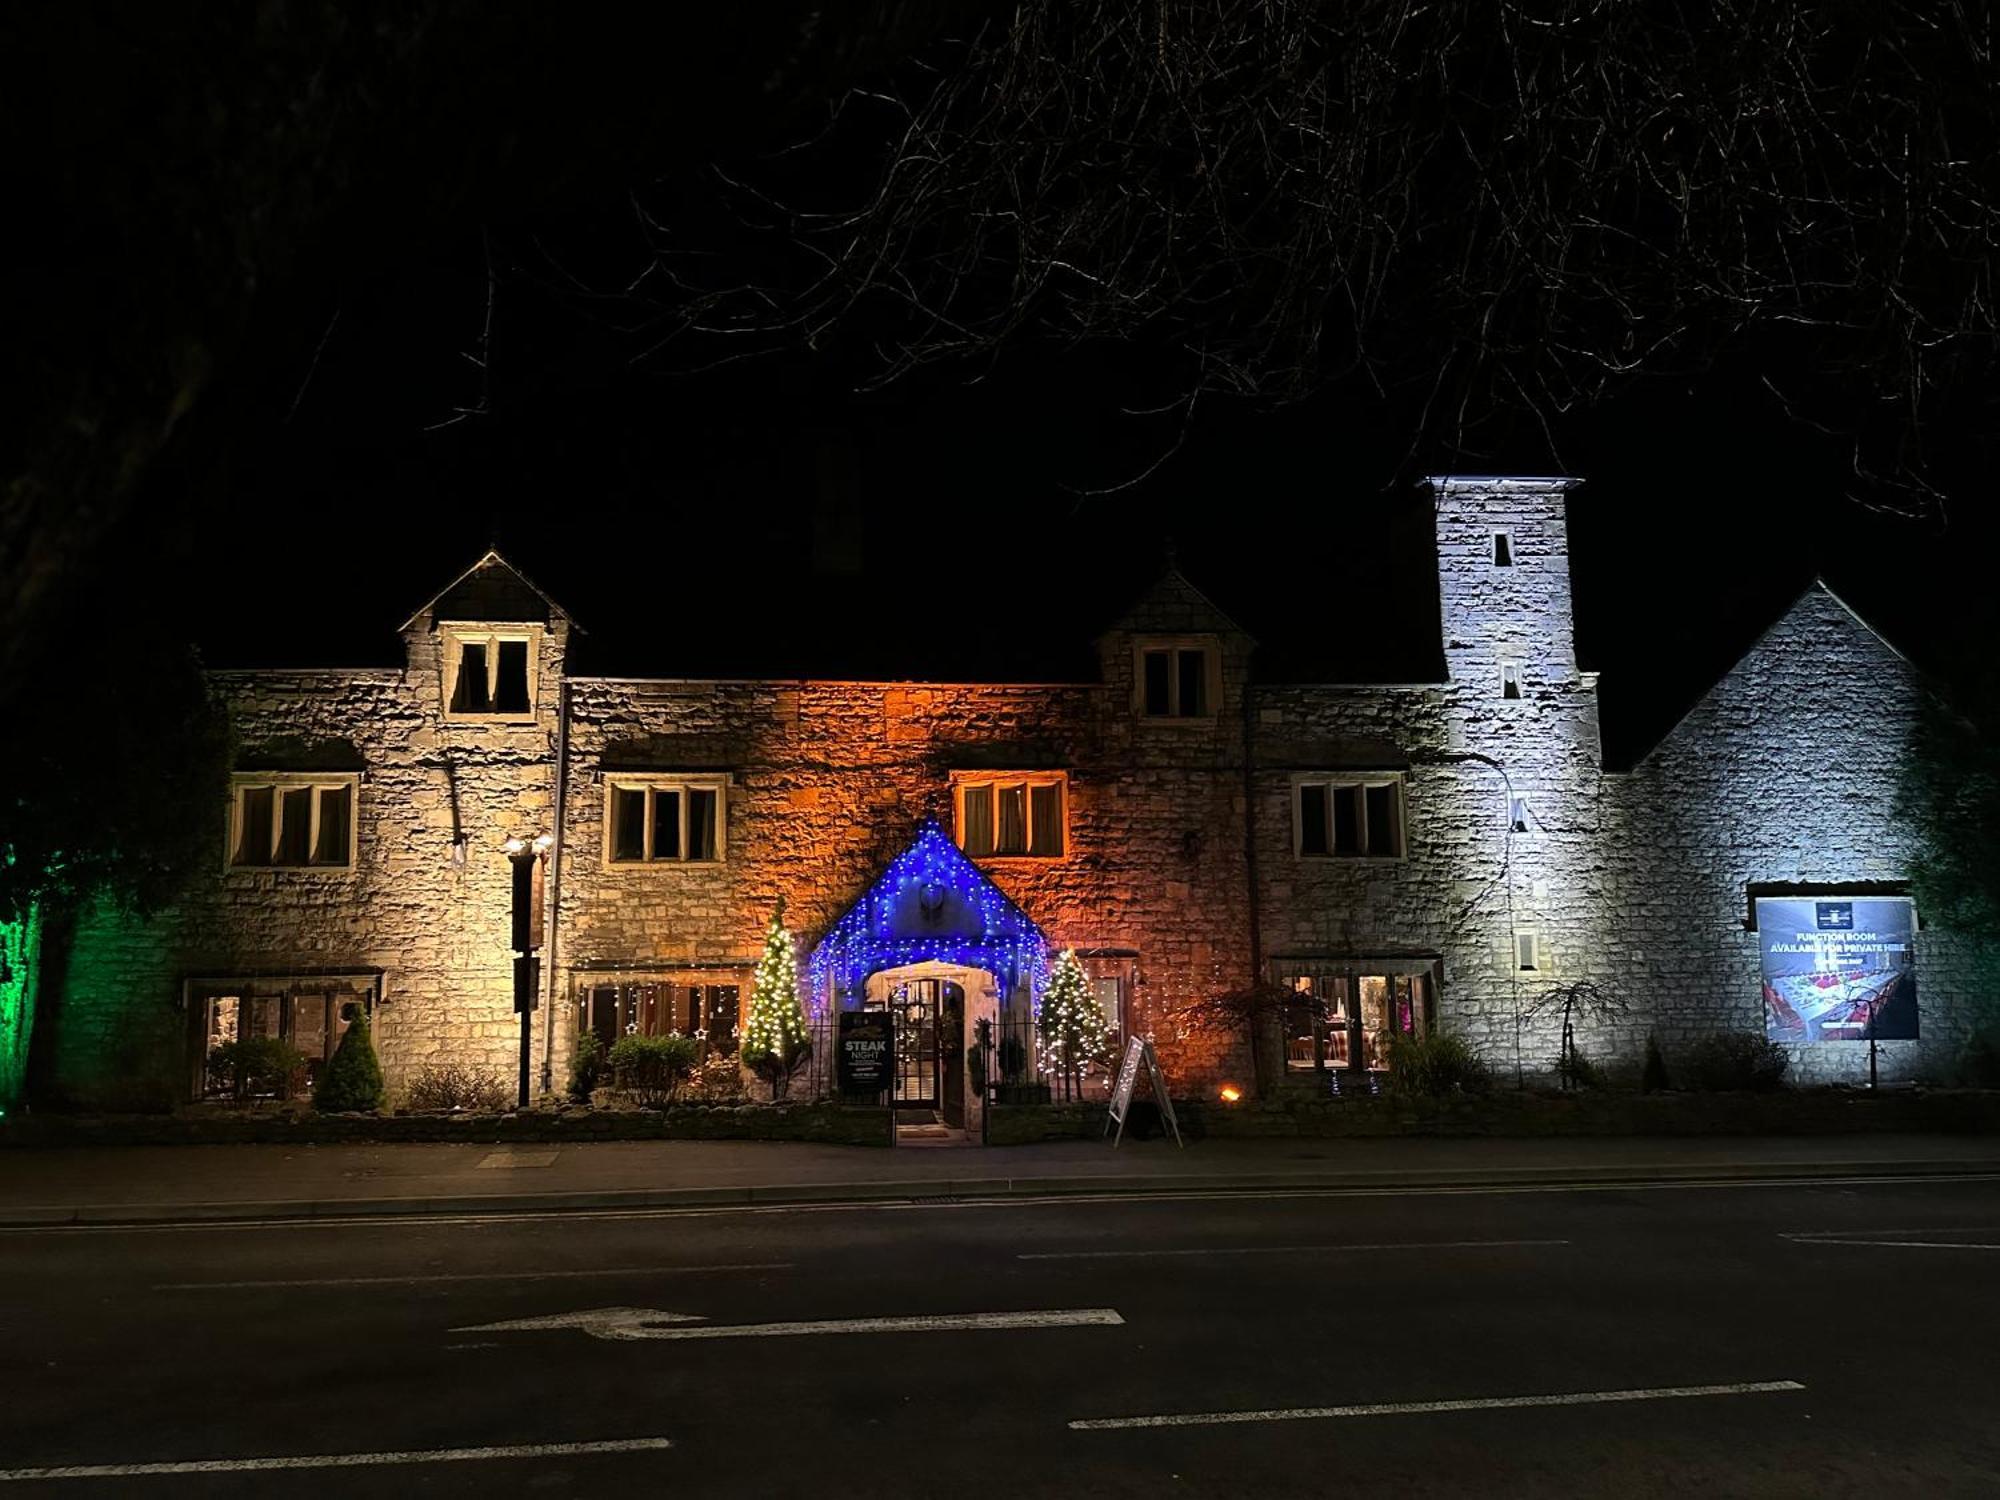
<point x="1537" y="949"/>
<point x="459" y="634"/>
<point x="1502" y="542"/>
<point x="1512" y="665"/>
<point x="1211" y="681"/>
<point x="200" y="992"/>
<point x="280" y="782"/>
<point x="1332" y="781"/>
<point x="629" y="1019"/>
<point x="1419" y="973"/>
<point x="647" y="783"/>
<point x="962" y="781"/>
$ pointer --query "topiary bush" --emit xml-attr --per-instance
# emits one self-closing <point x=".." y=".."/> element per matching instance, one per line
<point x="651" y="1069"/>
<point x="1735" y="1060"/>
<point x="1436" y="1065"/>
<point x="352" y="1079"/>
<point x="254" y="1065"/>
<point x="1653" y="1076"/>
<point x="586" y="1063"/>
<point x="452" y="1086"/>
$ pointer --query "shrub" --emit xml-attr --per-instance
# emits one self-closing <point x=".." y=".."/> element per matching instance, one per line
<point x="1575" y="1071"/>
<point x="353" y="1079"/>
<point x="1730" y="1060"/>
<point x="585" y="1064"/>
<point x="1436" y="1065"/>
<point x="1653" y="1077"/>
<point x="717" y="1081"/>
<point x="454" y="1086"/>
<point x="1979" y="1063"/>
<point x="258" y="1065"/>
<point x="651" y="1069"/>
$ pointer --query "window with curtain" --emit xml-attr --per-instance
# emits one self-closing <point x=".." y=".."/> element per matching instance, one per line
<point x="1012" y="817"/>
<point x="489" y="672"/>
<point x="292" y="822"/>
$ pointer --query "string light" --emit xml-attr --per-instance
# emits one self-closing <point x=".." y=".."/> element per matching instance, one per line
<point x="931" y="884"/>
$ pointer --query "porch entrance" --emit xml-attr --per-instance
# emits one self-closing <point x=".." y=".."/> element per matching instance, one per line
<point x="930" y="1050"/>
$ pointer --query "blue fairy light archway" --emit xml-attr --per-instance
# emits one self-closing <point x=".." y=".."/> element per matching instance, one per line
<point x="931" y="904"/>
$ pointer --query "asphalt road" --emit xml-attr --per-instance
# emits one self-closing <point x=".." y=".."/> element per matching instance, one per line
<point x="1713" y="1341"/>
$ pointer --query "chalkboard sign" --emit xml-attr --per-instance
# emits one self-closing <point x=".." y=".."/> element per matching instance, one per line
<point x="867" y="1045"/>
<point x="1138" y="1051"/>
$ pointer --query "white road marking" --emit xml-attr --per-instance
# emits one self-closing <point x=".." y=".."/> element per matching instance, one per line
<point x="1827" y="1239"/>
<point x="1002" y="1200"/>
<point x="243" y="1286"/>
<point x="336" y="1460"/>
<point x="646" y="1323"/>
<point x="1285" y="1249"/>
<point x="1412" y="1408"/>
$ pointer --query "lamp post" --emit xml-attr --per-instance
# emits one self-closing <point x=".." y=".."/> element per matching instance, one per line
<point x="528" y="856"/>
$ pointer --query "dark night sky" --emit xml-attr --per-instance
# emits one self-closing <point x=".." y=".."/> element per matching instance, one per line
<point x="317" y="499"/>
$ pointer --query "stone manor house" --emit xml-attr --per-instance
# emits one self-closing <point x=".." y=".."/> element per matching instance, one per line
<point x="1422" y="854"/>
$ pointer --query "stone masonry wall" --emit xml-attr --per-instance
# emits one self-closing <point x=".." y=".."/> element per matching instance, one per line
<point x="434" y="924"/>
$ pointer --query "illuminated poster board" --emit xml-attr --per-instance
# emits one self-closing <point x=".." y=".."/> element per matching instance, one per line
<point x="1838" y="968"/>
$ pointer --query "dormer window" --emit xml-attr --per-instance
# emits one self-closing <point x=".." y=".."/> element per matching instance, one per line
<point x="489" y="673"/>
<point x="1177" y="679"/>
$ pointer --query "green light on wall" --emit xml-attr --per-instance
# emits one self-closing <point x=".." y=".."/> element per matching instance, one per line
<point x="19" y="944"/>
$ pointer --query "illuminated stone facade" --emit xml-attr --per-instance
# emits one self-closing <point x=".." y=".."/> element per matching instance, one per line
<point x="1462" y="819"/>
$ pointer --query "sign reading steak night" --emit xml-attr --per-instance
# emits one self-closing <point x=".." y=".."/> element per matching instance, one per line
<point x="1839" y="969"/>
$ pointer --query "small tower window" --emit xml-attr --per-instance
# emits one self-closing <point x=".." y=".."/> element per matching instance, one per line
<point x="1510" y="680"/>
<point x="1519" y="818"/>
<point x="1527" y="952"/>
<point x="1503" y="550"/>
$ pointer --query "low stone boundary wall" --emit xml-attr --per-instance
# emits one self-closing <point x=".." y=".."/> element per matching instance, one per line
<point x="832" y="1124"/>
<point x="1594" y="1112"/>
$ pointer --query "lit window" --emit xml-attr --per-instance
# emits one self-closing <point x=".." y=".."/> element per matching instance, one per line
<point x="1343" y="1019"/>
<point x="292" y="822"/>
<point x="1520" y="817"/>
<point x="309" y="1013"/>
<point x="710" y="1013"/>
<point x="1174" y="681"/>
<point x="489" y="673"/>
<point x="1012" y="816"/>
<point x="1503" y="550"/>
<point x="1510" y="679"/>
<point x="655" y="819"/>
<point x="1360" y="818"/>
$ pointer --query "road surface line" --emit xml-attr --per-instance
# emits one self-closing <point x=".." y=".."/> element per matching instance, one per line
<point x="1834" y="1234"/>
<point x="1285" y="1249"/>
<point x="642" y="1323"/>
<point x="975" y="1201"/>
<point x="336" y="1460"/>
<point x="245" y="1286"/>
<point x="1808" y="1239"/>
<point x="1413" y="1408"/>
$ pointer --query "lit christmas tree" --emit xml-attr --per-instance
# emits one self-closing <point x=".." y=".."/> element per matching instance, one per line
<point x="1075" y="1038"/>
<point x="775" y="1039"/>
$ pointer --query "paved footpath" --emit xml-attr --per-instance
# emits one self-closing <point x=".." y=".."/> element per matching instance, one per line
<point x="163" y="1184"/>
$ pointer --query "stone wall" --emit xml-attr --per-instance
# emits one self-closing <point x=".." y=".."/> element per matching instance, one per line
<point x="1784" y="773"/>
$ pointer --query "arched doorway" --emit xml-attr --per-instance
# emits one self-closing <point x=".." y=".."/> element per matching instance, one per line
<point x="935" y="1006"/>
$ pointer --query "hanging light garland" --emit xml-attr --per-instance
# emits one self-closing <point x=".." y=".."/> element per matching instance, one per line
<point x="935" y="880"/>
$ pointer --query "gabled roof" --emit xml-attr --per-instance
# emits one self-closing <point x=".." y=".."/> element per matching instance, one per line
<point x="1169" y="591"/>
<point x="1818" y="588"/>
<point x="931" y="902"/>
<point x="497" y="597"/>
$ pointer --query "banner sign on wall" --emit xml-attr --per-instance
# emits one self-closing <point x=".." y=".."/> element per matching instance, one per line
<point x="1838" y="970"/>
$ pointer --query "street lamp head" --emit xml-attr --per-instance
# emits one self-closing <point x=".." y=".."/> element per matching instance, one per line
<point x="543" y="842"/>
<point x="516" y="846"/>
